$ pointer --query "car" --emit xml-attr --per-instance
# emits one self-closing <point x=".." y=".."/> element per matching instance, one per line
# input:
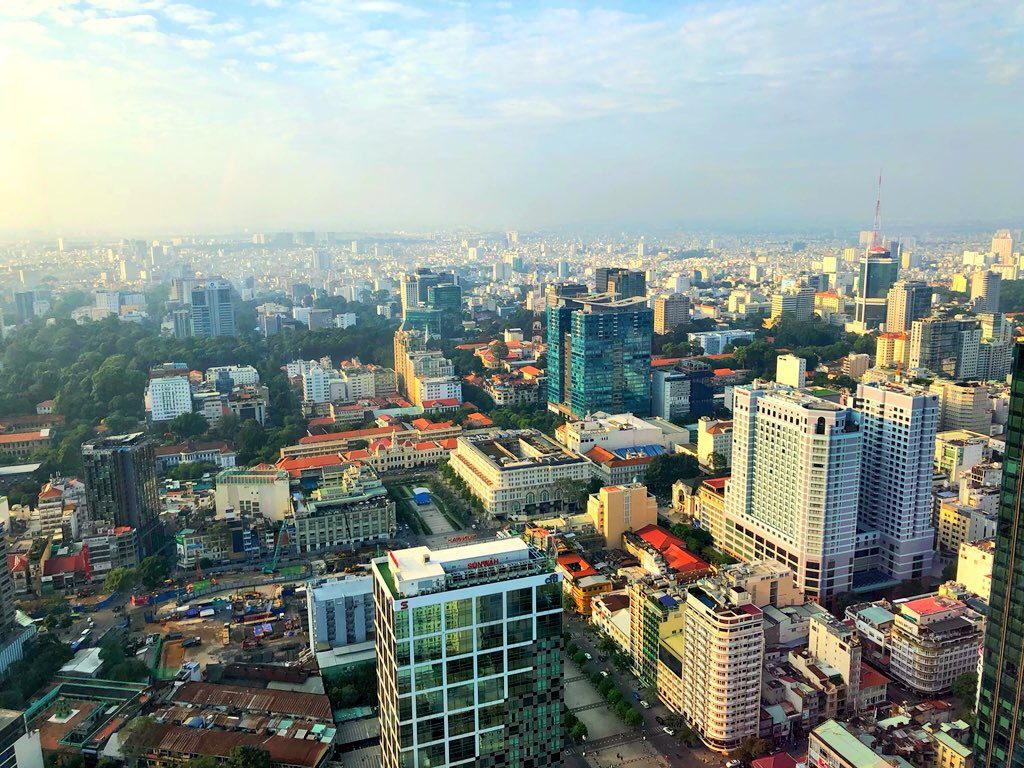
<point x="589" y="657"/>
<point x="644" y="704"/>
<point x="734" y="764"/>
<point x="604" y="673"/>
<point x="669" y="731"/>
<point x="659" y="720"/>
<point x="636" y="695"/>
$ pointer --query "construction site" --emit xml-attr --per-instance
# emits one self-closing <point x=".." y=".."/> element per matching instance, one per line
<point x="260" y="624"/>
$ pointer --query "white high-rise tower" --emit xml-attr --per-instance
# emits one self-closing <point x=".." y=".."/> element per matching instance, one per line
<point x="898" y="426"/>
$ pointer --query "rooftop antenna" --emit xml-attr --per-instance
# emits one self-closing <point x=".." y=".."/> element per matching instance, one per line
<point x="876" y="234"/>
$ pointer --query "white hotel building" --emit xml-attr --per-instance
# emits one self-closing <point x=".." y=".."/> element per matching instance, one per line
<point x="469" y="646"/>
<point x="793" y="493"/>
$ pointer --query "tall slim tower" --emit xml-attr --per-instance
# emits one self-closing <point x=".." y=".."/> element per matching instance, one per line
<point x="985" y="286"/>
<point x="999" y="738"/>
<point x="469" y="646"/>
<point x="1002" y="246"/>
<point x="898" y="426"/>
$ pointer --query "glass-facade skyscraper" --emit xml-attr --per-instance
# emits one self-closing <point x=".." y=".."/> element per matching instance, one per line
<point x="878" y="273"/>
<point x="599" y="355"/>
<point x="469" y="643"/>
<point x="999" y="736"/>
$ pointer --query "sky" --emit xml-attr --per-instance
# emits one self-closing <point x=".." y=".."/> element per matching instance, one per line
<point x="149" y="116"/>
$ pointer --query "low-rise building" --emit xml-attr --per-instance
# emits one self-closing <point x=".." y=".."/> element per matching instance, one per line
<point x="959" y="524"/>
<point x="215" y="452"/>
<point x="519" y="474"/>
<point x="714" y="443"/>
<point x="834" y="745"/>
<point x="934" y="640"/>
<point x="262" y="490"/>
<point x="664" y="554"/>
<point x="610" y="615"/>
<point x="581" y="582"/>
<point x="350" y="507"/>
<point x="958" y="451"/>
<point x="974" y="566"/>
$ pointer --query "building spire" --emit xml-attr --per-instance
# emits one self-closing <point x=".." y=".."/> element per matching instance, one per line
<point x="876" y="230"/>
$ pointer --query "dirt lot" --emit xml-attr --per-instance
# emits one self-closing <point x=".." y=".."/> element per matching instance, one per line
<point x="172" y="654"/>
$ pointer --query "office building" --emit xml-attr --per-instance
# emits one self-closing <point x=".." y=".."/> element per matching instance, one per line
<point x="898" y="426"/>
<point x="599" y="355"/>
<point x="716" y="342"/>
<point x="212" y="311"/>
<point x="24" y="305"/>
<point x="682" y="392"/>
<point x="446" y="299"/>
<point x="999" y="742"/>
<point x="985" y="291"/>
<point x="339" y="611"/>
<point x="260" y="491"/>
<point x="519" y="474"/>
<point x="792" y="495"/>
<point x="946" y="346"/>
<point x="349" y="508"/>
<point x="469" y="643"/>
<point x="907" y="301"/>
<point x="625" y="283"/>
<point x="167" y="396"/>
<point x="796" y="304"/>
<point x="791" y="371"/>
<point x="615" y="509"/>
<point x="934" y="640"/>
<point x="709" y="667"/>
<point x="120" y="485"/>
<point x="670" y="311"/>
<point x="877" y="274"/>
<point x="995" y="351"/>
<point x="963" y="405"/>
<point x="1002" y="246"/>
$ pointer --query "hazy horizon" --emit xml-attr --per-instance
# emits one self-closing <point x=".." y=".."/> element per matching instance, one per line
<point x="152" y="116"/>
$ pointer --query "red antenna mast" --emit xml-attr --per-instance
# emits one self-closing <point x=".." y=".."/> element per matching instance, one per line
<point x="876" y="233"/>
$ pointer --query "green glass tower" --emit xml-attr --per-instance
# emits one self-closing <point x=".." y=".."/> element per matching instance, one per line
<point x="599" y="355"/>
<point x="999" y="739"/>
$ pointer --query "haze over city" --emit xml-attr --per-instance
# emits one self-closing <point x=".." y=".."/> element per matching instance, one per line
<point x="146" y="116"/>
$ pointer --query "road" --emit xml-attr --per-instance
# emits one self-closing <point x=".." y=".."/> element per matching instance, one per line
<point x="670" y="747"/>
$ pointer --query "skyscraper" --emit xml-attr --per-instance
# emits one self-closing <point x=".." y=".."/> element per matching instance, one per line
<point x="999" y="737"/>
<point x="1002" y="246"/>
<point x="898" y="426"/>
<point x="985" y="290"/>
<point x="599" y="355"/>
<point x="627" y="283"/>
<point x="120" y="485"/>
<point x="908" y="300"/>
<point x="212" y="312"/>
<point x="945" y="345"/>
<point x="878" y="271"/>
<point x="469" y="656"/>
<point x="446" y="298"/>
<point x="795" y="480"/>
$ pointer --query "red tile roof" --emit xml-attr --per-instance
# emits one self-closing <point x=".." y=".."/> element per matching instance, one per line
<point x="673" y="549"/>
<point x="870" y="677"/>
<point x="778" y="760"/>
<point x="294" y="467"/>
<point x="575" y="566"/>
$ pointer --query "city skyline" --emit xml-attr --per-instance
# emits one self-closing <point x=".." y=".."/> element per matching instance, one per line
<point x="140" y="115"/>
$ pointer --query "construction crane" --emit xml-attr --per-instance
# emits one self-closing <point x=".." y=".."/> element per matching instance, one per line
<point x="282" y="534"/>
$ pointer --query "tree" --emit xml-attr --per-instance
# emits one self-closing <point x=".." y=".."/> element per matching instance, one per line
<point x="633" y="718"/>
<point x="965" y="687"/>
<point x="949" y="571"/>
<point x="578" y="732"/>
<point x="499" y="349"/>
<point x="248" y="757"/>
<point x="751" y="748"/>
<point x="718" y="462"/>
<point x="120" y="579"/>
<point x="152" y="571"/>
<point x="189" y="425"/>
<point x="665" y="469"/>
<point x="203" y="761"/>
